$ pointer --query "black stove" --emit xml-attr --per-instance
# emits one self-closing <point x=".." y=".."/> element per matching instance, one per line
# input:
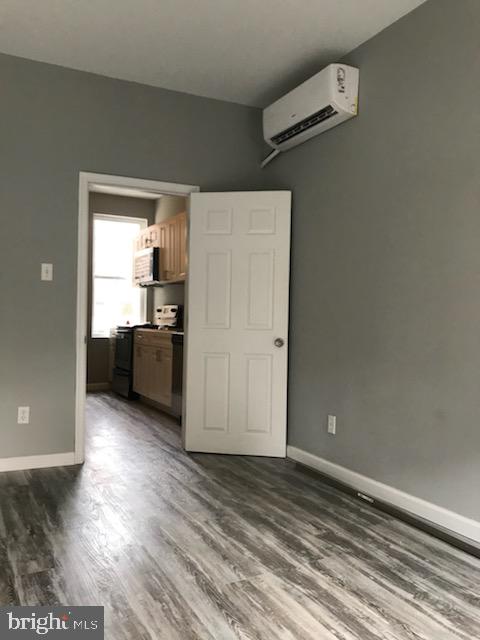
<point x="122" y="379"/>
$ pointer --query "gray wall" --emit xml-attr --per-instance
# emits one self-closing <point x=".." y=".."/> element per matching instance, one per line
<point x="55" y="122"/>
<point x="98" y="349"/>
<point x="385" y="319"/>
<point x="169" y="206"/>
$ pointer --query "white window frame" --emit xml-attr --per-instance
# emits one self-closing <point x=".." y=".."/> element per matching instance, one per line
<point x="143" y="222"/>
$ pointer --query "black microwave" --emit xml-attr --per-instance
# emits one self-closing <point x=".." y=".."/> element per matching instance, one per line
<point x="146" y="267"/>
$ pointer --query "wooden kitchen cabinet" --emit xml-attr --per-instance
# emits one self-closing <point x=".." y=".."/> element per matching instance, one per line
<point x="161" y="376"/>
<point x="153" y="366"/>
<point x="182" y="246"/>
<point x="174" y="248"/>
<point x="149" y="237"/>
<point x="171" y="237"/>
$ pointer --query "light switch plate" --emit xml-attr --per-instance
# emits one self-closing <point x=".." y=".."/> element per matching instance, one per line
<point x="332" y="424"/>
<point x="47" y="271"/>
<point x="23" y="416"/>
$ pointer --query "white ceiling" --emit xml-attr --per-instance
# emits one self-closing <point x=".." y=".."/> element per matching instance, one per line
<point x="246" y="51"/>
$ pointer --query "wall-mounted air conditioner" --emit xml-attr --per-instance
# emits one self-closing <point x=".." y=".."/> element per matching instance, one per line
<point x="325" y="100"/>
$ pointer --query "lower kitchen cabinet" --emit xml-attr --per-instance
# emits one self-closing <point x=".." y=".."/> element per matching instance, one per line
<point x="153" y="367"/>
<point x="161" y="376"/>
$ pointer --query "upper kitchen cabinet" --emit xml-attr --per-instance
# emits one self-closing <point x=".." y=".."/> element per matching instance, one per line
<point x="170" y="236"/>
<point x="174" y="253"/>
<point x="149" y="237"/>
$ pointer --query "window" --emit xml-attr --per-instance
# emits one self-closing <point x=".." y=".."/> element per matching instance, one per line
<point x="115" y="300"/>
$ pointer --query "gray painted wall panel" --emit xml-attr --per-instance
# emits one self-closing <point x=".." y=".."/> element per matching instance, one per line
<point x="55" y="122"/>
<point x="385" y="320"/>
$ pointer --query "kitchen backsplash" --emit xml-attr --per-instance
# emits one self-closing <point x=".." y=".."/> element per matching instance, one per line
<point x="170" y="294"/>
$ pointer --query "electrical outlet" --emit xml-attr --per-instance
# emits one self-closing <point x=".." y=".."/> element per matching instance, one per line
<point x="23" y="416"/>
<point x="332" y="424"/>
<point x="47" y="271"/>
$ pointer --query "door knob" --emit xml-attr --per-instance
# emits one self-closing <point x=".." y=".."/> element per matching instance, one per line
<point x="279" y="342"/>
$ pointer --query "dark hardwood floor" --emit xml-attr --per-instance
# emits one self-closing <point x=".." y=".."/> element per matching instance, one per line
<point x="179" y="546"/>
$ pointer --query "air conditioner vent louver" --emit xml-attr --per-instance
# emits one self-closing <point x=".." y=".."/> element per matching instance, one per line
<point x="305" y="124"/>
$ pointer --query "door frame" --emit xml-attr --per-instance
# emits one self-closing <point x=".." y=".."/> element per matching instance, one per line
<point x="87" y="183"/>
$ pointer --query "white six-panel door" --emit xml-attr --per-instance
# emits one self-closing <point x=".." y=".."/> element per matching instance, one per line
<point x="237" y="354"/>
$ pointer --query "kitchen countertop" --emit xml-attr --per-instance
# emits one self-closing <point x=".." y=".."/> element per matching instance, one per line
<point x="171" y="332"/>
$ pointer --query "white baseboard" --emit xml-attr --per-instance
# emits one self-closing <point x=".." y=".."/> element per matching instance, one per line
<point x="37" y="462"/>
<point x="433" y="513"/>
<point x="98" y="386"/>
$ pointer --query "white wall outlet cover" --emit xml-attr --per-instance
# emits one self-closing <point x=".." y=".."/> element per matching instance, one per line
<point x="332" y="424"/>
<point x="47" y="271"/>
<point x="23" y="416"/>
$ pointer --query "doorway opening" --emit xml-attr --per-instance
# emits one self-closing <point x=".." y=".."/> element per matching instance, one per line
<point x="131" y="248"/>
<point x="137" y="297"/>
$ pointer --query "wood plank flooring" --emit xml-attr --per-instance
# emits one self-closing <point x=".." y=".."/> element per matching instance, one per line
<point x="179" y="546"/>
